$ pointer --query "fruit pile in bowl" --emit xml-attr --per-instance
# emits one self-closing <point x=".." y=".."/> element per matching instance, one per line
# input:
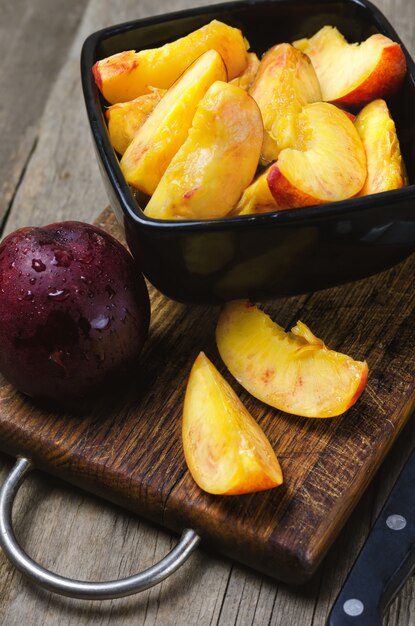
<point x="256" y="150"/>
<point x="186" y="113"/>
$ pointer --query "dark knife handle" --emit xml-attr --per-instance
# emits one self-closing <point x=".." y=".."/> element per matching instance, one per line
<point x="385" y="561"/>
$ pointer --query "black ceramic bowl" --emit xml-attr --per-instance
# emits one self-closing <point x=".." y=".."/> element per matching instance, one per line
<point x="275" y="254"/>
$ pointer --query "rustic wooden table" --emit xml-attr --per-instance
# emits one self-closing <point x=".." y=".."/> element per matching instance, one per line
<point x="48" y="172"/>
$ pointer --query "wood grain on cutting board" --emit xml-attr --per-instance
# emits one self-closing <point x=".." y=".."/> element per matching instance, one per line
<point x="82" y="536"/>
<point x="127" y="447"/>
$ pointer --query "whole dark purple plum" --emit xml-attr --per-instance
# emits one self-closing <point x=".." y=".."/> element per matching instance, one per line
<point x="74" y="310"/>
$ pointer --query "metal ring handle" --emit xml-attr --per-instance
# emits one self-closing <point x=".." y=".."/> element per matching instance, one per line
<point x="78" y="588"/>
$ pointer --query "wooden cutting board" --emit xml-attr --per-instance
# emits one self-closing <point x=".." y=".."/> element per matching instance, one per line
<point x="127" y="448"/>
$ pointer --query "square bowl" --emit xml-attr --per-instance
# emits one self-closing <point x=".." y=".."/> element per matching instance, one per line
<point x="265" y="255"/>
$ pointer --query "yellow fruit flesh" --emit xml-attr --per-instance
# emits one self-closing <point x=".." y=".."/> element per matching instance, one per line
<point x="158" y="139"/>
<point x="257" y="198"/>
<point x="385" y="166"/>
<point x="125" y="118"/>
<point x="285" y="82"/>
<point x="245" y="80"/>
<point x="130" y="74"/>
<point x="341" y="66"/>
<point x="291" y="371"/>
<point x="217" y="161"/>
<point x="225" y="449"/>
<point x="329" y="163"/>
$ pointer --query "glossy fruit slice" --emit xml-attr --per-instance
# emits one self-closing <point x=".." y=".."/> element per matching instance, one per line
<point x="127" y="75"/>
<point x="284" y="83"/>
<point x="217" y="161"/>
<point x="225" y="449"/>
<point x="385" y="166"/>
<point x="327" y="164"/>
<point x="164" y="131"/>
<point x="354" y="73"/>
<point x="257" y="198"/>
<point x="245" y="80"/>
<point x="291" y="371"/>
<point x="125" y="118"/>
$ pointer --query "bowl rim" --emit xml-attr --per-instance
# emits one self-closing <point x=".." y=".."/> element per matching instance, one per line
<point x="110" y="162"/>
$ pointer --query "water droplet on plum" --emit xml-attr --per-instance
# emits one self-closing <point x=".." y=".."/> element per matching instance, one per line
<point x="101" y="322"/>
<point x="110" y="291"/>
<point x="58" y="294"/>
<point x="97" y="238"/>
<point x="28" y="295"/>
<point x="38" y="265"/>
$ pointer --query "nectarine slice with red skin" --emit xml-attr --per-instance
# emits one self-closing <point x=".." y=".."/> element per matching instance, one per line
<point x="217" y="161"/>
<point x="354" y="73"/>
<point x="226" y="451"/>
<point x="284" y="83"/>
<point x="385" y="166"/>
<point x="127" y="75"/>
<point x="327" y="164"/>
<point x="291" y="371"/>
<point x="289" y="195"/>
<point x="165" y="130"/>
<point x="125" y="118"/>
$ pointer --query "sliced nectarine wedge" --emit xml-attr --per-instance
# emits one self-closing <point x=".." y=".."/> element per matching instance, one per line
<point x="125" y="118"/>
<point x="291" y="371"/>
<point x="257" y="198"/>
<point x="246" y="79"/>
<point x="225" y="449"/>
<point x="284" y="83"/>
<point x="127" y="75"/>
<point x="385" y="166"/>
<point x="217" y="161"/>
<point x="328" y="163"/>
<point x="354" y="73"/>
<point x="158" y="139"/>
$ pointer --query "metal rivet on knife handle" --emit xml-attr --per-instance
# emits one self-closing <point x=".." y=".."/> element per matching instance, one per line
<point x="396" y="522"/>
<point x="353" y="607"/>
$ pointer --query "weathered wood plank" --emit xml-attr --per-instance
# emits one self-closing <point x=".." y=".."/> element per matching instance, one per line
<point x="57" y="520"/>
<point x="63" y="180"/>
<point x="70" y="187"/>
<point x="34" y="40"/>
